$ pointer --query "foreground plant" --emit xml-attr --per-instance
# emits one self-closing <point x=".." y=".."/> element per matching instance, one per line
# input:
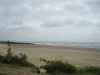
<point x="10" y="58"/>
<point x="58" y="66"/>
<point x="90" y="69"/>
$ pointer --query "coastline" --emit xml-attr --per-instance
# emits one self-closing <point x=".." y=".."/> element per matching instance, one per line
<point x="77" y="56"/>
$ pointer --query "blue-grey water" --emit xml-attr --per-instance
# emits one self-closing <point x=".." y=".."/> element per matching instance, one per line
<point x="71" y="44"/>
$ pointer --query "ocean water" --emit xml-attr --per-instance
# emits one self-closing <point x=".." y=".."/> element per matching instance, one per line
<point x="71" y="44"/>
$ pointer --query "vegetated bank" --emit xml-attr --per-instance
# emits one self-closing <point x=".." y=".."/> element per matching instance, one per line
<point x="12" y="64"/>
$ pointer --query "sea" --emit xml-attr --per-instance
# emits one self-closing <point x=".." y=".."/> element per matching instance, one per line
<point x="71" y="44"/>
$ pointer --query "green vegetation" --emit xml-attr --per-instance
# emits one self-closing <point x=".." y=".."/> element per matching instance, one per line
<point x="10" y="58"/>
<point x="7" y="69"/>
<point x="13" y="64"/>
<point x="58" y="67"/>
<point x="90" y="69"/>
<point x="18" y="66"/>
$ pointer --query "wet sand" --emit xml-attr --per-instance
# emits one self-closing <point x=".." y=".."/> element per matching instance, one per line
<point x="74" y="55"/>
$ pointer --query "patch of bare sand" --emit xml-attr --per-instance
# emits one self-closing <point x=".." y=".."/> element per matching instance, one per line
<point x="73" y="55"/>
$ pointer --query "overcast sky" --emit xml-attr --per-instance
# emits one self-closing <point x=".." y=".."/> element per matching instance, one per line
<point x="50" y="20"/>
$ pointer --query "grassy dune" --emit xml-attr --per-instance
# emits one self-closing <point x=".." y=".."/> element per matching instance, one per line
<point x="6" y="69"/>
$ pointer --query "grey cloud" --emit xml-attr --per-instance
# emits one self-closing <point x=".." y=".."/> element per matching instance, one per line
<point x="18" y="33"/>
<point x="94" y="6"/>
<point x="21" y="29"/>
<point x="20" y="17"/>
<point x="17" y="23"/>
<point x="74" y="6"/>
<point x="16" y="29"/>
<point x="84" y="23"/>
<point x="53" y="23"/>
<point x="93" y="2"/>
<point x="29" y="9"/>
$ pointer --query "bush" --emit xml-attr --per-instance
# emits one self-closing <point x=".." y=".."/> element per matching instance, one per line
<point x="10" y="58"/>
<point x="2" y="74"/>
<point x="91" y="69"/>
<point x="58" y="67"/>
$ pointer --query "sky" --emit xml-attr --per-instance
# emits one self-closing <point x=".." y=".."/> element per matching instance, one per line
<point x="50" y="20"/>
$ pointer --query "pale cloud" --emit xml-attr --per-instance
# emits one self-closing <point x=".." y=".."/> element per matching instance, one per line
<point x="50" y="20"/>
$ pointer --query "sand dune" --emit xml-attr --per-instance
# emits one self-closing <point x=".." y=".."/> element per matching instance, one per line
<point x="76" y="56"/>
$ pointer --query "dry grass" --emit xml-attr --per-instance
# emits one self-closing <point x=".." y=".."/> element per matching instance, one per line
<point x="6" y="69"/>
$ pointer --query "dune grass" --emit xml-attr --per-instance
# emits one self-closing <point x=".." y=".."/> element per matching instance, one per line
<point x="20" y="59"/>
<point x="90" y="69"/>
<point x="58" y="67"/>
<point x="7" y="69"/>
<point x="12" y="64"/>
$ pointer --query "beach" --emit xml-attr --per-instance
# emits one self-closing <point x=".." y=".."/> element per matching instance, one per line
<point x="77" y="56"/>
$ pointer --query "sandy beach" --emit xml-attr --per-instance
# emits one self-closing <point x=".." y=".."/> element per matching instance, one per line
<point x="74" y="55"/>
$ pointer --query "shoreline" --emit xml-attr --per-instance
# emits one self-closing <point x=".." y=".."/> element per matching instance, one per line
<point x="74" y="55"/>
<point x="60" y="44"/>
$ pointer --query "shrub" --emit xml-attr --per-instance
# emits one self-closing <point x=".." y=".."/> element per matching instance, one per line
<point x="58" y="67"/>
<point x="2" y="74"/>
<point x="91" y="69"/>
<point x="10" y="58"/>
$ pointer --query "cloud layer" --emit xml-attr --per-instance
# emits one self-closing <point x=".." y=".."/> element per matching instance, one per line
<point x="50" y="20"/>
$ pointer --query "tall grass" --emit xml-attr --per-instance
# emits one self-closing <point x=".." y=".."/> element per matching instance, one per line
<point x="90" y="69"/>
